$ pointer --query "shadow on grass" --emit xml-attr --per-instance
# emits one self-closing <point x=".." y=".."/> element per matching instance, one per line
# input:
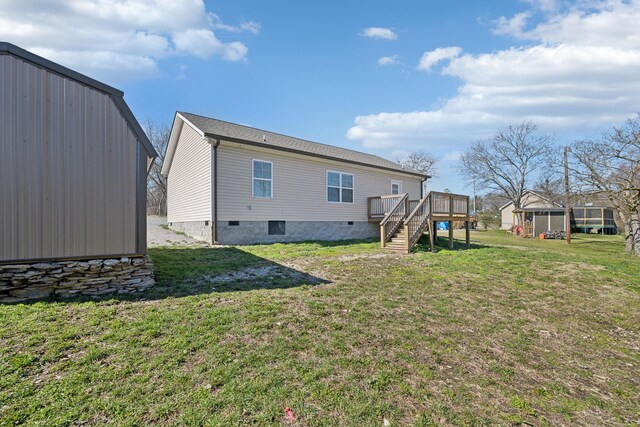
<point x="184" y="271"/>
<point x="188" y="270"/>
<point x="442" y="243"/>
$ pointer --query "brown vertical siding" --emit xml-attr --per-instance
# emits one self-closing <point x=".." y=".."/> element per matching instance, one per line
<point x="68" y="168"/>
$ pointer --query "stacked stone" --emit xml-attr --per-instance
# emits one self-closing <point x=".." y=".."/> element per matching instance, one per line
<point x="23" y="282"/>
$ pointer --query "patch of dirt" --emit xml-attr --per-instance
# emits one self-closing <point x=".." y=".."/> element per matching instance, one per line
<point x="493" y="245"/>
<point x="367" y="256"/>
<point x="265" y="272"/>
<point x="581" y="266"/>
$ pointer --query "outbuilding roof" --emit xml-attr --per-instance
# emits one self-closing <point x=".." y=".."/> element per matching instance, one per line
<point x="226" y="131"/>
<point x="540" y="196"/>
<point x="116" y="95"/>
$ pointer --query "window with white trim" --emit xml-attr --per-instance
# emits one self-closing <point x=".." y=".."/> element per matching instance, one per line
<point x="396" y="187"/>
<point x="262" y="179"/>
<point x="339" y="187"/>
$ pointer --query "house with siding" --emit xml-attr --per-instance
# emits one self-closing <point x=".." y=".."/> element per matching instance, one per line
<point x="73" y="170"/>
<point x="530" y="200"/>
<point x="234" y="184"/>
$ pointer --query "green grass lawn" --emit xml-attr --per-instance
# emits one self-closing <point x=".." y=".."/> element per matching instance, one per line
<point x="510" y="331"/>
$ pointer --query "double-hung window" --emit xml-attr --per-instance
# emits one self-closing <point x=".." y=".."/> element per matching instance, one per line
<point x="339" y="187"/>
<point x="396" y="187"/>
<point x="262" y="179"/>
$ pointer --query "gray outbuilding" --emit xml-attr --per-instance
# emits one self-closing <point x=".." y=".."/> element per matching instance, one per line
<point x="73" y="170"/>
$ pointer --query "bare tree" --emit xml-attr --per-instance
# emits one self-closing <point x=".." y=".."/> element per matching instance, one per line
<point x="158" y="134"/>
<point x="420" y="161"/>
<point x="610" y="166"/>
<point x="506" y="164"/>
<point x="550" y="187"/>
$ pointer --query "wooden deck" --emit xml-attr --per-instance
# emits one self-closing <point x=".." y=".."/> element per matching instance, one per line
<point x="403" y="221"/>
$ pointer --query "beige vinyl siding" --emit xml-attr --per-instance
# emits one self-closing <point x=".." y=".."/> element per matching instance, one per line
<point x="299" y="187"/>
<point x="529" y="200"/>
<point x="189" y="180"/>
<point x="507" y="217"/>
<point x="68" y="165"/>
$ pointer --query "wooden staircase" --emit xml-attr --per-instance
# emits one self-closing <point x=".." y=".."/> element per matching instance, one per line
<point x="398" y="242"/>
<point x="405" y="221"/>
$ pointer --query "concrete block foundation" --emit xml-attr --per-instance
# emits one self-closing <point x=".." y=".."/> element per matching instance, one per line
<point x="200" y="230"/>
<point x="250" y="232"/>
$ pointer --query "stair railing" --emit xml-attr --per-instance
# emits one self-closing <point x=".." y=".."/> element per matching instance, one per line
<point x="417" y="220"/>
<point x="392" y="221"/>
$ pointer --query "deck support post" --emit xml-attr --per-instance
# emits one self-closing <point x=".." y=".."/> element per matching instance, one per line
<point x="382" y="242"/>
<point x="435" y="231"/>
<point x="450" y="234"/>
<point x="431" y="235"/>
<point x="467" y="233"/>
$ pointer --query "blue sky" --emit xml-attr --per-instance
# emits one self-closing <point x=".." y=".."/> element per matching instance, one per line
<point x="378" y="76"/>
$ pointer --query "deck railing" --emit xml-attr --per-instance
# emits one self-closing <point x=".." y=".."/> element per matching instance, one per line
<point x="380" y="206"/>
<point x="393" y="219"/>
<point x="415" y="216"/>
<point x="449" y="204"/>
<point x="416" y="221"/>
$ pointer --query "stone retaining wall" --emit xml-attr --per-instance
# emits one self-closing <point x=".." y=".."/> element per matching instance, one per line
<point x="21" y="282"/>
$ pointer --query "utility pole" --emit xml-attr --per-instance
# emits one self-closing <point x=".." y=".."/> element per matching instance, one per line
<point x="567" y="209"/>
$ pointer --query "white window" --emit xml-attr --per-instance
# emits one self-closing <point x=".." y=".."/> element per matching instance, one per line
<point x="262" y="179"/>
<point x="396" y="187"/>
<point x="339" y="187"/>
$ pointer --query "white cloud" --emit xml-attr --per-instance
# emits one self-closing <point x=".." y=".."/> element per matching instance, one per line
<point x="581" y="72"/>
<point x="115" y="39"/>
<point x="245" y="26"/>
<point x="203" y="43"/>
<point x="429" y="59"/>
<point x="512" y="26"/>
<point x="379" y="33"/>
<point x="388" y="60"/>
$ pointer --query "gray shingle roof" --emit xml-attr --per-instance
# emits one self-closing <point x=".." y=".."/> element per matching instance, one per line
<point x="219" y="129"/>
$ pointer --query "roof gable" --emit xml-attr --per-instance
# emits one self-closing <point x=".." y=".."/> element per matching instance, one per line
<point x="222" y="130"/>
<point x="116" y="95"/>
<point x="538" y="195"/>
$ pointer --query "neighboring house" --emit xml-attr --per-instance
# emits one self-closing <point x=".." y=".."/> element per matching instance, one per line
<point x="592" y="217"/>
<point x="73" y="169"/>
<point x="530" y="199"/>
<point x="233" y="184"/>
<point x="541" y="214"/>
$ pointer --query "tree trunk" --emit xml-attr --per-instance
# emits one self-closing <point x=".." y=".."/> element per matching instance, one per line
<point x="632" y="234"/>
